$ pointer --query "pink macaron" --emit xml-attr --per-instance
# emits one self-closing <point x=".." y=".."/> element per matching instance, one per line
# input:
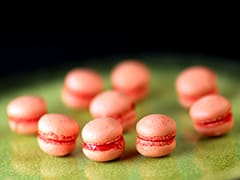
<point x="24" y="113"/>
<point x="116" y="105"/>
<point x="80" y="87"/>
<point x="195" y="82"/>
<point x="156" y="135"/>
<point x="57" y="134"/>
<point x="212" y="115"/>
<point x="132" y="78"/>
<point x="103" y="139"/>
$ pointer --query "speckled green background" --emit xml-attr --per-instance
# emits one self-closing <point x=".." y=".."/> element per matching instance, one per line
<point x="195" y="157"/>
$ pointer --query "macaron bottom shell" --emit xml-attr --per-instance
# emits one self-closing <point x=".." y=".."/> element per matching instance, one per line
<point x="25" y="128"/>
<point x="154" y="150"/>
<point x="102" y="156"/>
<point x="215" y="130"/>
<point x="56" y="149"/>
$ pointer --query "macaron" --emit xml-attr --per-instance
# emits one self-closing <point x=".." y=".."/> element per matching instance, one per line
<point x="195" y="82"/>
<point x="156" y="135"/>
<point x="212" y="115"/>
<point x="80" y="87"/>
<point x="103" y="139"/>
<point x="57" y="134"/>
<point x="116" y="105"/>
<point x="132" y="78"/>
<point x="24" y="113"/>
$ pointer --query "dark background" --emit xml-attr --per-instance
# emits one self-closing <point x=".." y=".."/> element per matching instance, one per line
<point x="20" y="52"/>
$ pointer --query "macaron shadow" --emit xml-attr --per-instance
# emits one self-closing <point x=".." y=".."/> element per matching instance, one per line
<point x="130" y="154"/>
<point x="185" y="145"/>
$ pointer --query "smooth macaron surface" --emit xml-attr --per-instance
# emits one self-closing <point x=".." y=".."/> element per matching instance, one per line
<point x="26" y="107"/>
<point x="59" y="124"/>
<point x="110" y="103"/>
<point x="101" y="130"/>
<point x="85" y="81"/>
<point x="155" y="125"/>
<point x="212" y="115"/>
<point x="130" y="74"/>
<point x="210" y="107"/>
<point x="57" y="134"/>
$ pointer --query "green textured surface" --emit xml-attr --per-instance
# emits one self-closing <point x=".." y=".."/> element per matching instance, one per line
<point x="195" y="157"/>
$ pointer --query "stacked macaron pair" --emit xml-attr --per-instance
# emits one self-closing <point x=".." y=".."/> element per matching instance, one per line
<point x="210" y="112"/>
<point x="56" y="133"/>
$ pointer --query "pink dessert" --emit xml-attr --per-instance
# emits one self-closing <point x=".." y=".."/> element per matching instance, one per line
<point x="103" y="139"/>
<point x="212" y="115"/>
<point x="80" y="87"/>
<point x="116" y="105"/>
<point x="24" y="113"/>
<point x="132" y="78"/>
<point x="156" y="135"/>
<point x="195" y="82"/>
<point x="57" y="134"/>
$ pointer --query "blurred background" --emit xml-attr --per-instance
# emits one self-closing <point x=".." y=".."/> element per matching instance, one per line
<point x="20" y="52"/>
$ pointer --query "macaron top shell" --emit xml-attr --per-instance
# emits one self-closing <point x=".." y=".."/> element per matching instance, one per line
<point x="101" y="130"/>
<point x="110" y="103"/>
<point x="210" y="107"/>
<point x="130" y="74"/>
<point x="155" y="125"/>
<point x="58" y="124"/>
<point x="196" y="80"/>
<point x="84" y="80"/>
<point x="27" y="106"/>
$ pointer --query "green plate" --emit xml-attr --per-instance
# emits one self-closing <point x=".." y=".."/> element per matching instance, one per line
<point x="195" y="157"/>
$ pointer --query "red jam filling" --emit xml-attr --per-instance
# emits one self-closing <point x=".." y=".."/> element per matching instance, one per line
<point x="117" y="143"/>
<point x="80" y="95"/>
<point x="156" y="140"/>
<point x="53" y="138"/>
<point x="218" y="121"/>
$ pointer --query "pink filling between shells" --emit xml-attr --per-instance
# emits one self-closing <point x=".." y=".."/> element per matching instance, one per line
<point x="117" y="143"/>
<point x="156" y="140"/>
<point x="53" y="138"/>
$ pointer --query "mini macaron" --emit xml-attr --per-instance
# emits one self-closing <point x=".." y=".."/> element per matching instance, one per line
<point x="116" y="105"/>
<point x="212" y="115"/>
<point x="24" y="113"/>
<point x="156" y="135"/>
<point x="132" y="78"/>
<point x="103" y="139"/>
<point x="80" y="87"/>
<point x="195" y="82"/>
<point x="57" y="134"/>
